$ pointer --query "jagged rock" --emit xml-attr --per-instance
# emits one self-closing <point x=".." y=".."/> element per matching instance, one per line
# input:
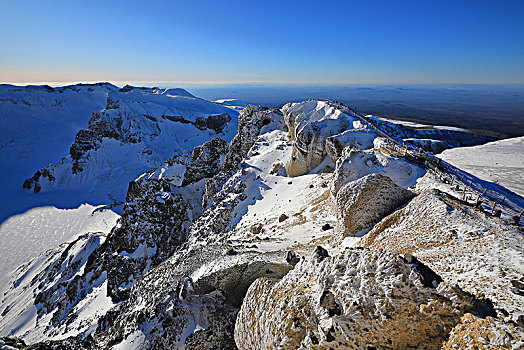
<point x="250" y="121"/>
<point x="215" y="122"/>
<point x="205" y="161"/>
<point x="310" y="124"/>
<point x="353" y="300"/>
<point x="484" y="333"/>
<point x="292" y="258"/>
<point x="363" y="202"/>
<point x="360" y="139"/>
<point x="355" y="164"/>
<point x="460" y="243"/>
<point x="320" y="253"/>
<point x="196" y="287"/>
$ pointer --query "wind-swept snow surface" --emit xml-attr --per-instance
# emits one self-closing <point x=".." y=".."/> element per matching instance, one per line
<point x="24" y="236"/>
<point x="501" y="162"/>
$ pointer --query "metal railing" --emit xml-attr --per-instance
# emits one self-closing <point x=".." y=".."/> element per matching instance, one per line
<point x="472" y="186"/>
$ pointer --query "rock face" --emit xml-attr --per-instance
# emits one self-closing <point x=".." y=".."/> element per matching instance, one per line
<point x="310" y="124"/>
<point x="484" y="333"/>
<point x="354" y="300"/>
<point x="354" y="164"/>
<point x="138" y="129"/>
<point x="250" y="121"/>
<point x="192" y="298"/>
<point x="359" y="139"/>
<point x="205" y="161"/>
<point x="362" y="203"/>
<point x="461" y="243"/>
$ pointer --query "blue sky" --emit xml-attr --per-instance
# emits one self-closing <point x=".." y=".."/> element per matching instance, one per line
<point x="297" y="42"/>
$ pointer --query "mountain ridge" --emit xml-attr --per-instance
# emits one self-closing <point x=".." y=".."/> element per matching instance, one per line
<point x="188" y="256"/>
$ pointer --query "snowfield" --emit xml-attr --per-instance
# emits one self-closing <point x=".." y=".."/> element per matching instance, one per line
<point x="25" y="236"/>
<point x="501" y="162"/>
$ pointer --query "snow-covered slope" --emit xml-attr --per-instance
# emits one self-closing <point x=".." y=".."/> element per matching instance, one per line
<point x="232" y="103"/>
<point x="204" y="239"/>
<point x="38" y="124"/>
<point x="129" y="131"/>
<point x="500" y="161"/>
<point x="138" y="129"/>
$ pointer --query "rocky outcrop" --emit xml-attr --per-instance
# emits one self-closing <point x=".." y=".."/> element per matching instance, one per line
<point x="354" y="164"/>
<point x="461" y="243"/>
<point x="484" y="333"/>
<point x="205" y="161"/>
<point x="359" y="139"/>
<point x="310" y="124"/>
<point x="356" y="299"/>
<point x="194" y="297"/>
<point x="362" y="203"/>
<point x="250" y="121"/>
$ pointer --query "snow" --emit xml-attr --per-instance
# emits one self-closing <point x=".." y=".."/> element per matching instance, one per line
<point x="38" y="126"/>
<point x="233" y="103"/>
<point x="414" y="125"/>
<point x="500" y="162"/>
<point x="27" y="235"/>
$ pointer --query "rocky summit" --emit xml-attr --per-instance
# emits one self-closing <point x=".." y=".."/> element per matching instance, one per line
<point x="305" y="227"/>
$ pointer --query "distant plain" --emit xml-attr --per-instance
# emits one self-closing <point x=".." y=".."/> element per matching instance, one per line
<point x="491" y="110"/>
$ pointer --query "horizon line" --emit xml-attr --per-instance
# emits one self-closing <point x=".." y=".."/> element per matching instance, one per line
<point x="160" y="84"/>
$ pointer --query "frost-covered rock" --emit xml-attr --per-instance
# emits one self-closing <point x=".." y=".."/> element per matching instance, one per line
<point x="310" y="124"/>
<point x="190" y="300"/>
<point x="362" y="203"/>
<point x="484" y="333"/>
<point x="359" y="139"/>
<point x="356" y="299"/>
<point x="205" y="161"/>
<point x="481" y="253"/>
<point x="250" y="121"/>
<point x="355" y="164"/>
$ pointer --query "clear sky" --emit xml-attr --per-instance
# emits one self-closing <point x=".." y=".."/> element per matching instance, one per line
<point x="319" y="42"/>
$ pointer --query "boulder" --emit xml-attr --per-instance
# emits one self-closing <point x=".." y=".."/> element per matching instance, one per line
<point x="360" y="204"/>
<point x="356" y="299"/>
